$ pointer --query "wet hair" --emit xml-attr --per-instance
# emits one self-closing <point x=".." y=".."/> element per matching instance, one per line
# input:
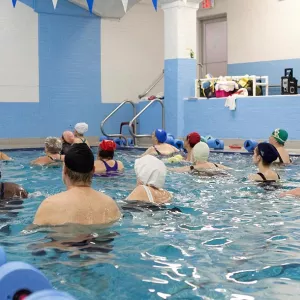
<point x="76" y="177"/>
<point x="106" y="154"/>
<point x="53" y="145"/>
<point x="266" y="164"/>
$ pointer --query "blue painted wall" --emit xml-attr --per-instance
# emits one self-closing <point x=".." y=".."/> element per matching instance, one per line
<point x="274" y="69"/>
<point x="69" y="75"/>
<point x="254" y="117"/>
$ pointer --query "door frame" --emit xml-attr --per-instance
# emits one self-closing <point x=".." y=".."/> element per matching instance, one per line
<point x="201" y="68"/>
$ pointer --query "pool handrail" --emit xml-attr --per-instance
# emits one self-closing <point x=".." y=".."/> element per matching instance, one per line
<point x="155" y="83"/>
<point x="111" y="114"/>
<point x="134" y="135"/>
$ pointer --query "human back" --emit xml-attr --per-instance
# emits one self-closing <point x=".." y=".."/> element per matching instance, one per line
<point x="80" y="204"/>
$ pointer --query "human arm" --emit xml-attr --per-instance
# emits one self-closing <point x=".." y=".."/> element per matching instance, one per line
<point x="185" y="169"/>
<point x="294" y="192"/>
<point x="3" y="156"/>
<point x="149" y="151"/>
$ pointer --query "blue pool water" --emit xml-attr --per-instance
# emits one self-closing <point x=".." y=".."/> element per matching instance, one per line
<point x="232" y="239"/>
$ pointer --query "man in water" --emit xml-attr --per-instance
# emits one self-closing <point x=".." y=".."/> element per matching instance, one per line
<point x="80" y="204"/>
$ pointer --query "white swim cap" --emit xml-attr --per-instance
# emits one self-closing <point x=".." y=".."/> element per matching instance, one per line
<point x="150" y="171"/>
<point x="81" y="128"/>
<point x="200" y="152"/>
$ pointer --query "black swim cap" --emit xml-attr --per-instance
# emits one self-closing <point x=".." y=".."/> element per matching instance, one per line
<point x="268" y="152"/>
<point x="80" y="158"/>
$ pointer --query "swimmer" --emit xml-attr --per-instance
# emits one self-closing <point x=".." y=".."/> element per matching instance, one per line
<point x="80" y="204"/>
<point x="190" y="141"/>
<point x="67" y="141"/>
<point x="9" y="190"/>
<point x="53" y="147"/>
<point x="105" y="164"/>
<point x="264" y="155"/>
<point x="200" y="154"/>
<point x="4" y="157"/>
<point x="80" y="130"/>
<point x="278" y="139"/>
<point x="151" y="175"/>
<point x="160" y="147"/>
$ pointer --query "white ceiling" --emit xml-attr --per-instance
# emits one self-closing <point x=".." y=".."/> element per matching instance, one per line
<point x="107" y="8"/>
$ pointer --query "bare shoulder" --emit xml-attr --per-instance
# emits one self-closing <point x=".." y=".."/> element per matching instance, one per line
<point x="40" y="161"/>
<point x="138" y="194"/>
<point x="254" y="177"/>
<point x="49" y="210"/>
<point x="120" y="165"/>
<point x="150" y="150"/>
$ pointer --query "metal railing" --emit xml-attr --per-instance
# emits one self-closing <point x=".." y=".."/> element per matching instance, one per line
<point x="153" y="85"/>
<point x="112" y="113"/>
<point x="141" y="112"/>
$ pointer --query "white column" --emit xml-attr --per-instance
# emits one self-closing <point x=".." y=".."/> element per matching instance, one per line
<point x="180" y="27"/>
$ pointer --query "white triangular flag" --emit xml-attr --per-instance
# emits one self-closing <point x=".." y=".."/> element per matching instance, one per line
<point x="54" y="3"/>
<point x="125" y="4"/>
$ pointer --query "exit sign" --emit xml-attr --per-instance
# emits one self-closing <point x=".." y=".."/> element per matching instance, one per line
<point x="206" y="4"/>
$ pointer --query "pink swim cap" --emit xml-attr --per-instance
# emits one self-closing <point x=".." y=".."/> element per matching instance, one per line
<point x="68" y="137"/>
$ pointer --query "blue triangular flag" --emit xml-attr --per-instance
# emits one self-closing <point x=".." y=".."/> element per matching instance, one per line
<point x="155" y="4"/>
<point x="90" y="4"/>
<point x="14" y="2"/>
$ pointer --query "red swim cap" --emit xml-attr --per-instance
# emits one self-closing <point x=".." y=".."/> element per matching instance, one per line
<point x="108" y="145"/>
<point x="194" y="138"/>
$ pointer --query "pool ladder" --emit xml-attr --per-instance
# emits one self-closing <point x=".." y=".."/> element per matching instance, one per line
<point x="133" y="123"/>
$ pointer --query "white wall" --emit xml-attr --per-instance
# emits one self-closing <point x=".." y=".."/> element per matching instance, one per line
<point x="263" y="30"/>
<point x="19" y="66"/>
<point x="132" y="53"/>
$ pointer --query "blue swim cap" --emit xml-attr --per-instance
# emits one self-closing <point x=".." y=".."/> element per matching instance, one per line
<point x="161" y="135"/>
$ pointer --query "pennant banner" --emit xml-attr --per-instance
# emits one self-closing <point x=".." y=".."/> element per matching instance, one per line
<point x="90" y="4"/>
<point x="14" y="2"/>
<point x="125" y="4"/>
<point x="155" y="4"/>
<point x="54" y="3"/>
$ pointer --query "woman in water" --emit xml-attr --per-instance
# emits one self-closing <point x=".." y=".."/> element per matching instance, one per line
<point x="67" y="141"/>
<point x="278" y="139"/>
<point x="264" y="155"/>
<point x="190" y="141"/>
<point x="105" y="165"/>
<point x="160" y="147"/>
<point x="53" y="147"/>
<point x="151" y="175"/>
<point x="80" y="130"/>
<point x="9" y="190"/>
<point x="199" y="158"/>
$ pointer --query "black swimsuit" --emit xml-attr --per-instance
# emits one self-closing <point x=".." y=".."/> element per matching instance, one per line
<point x="1" y="190"/>
<point x="158" y="153"/>
<point x="281" y="160"/>
<point x="265" y="179"/>
<point x="54" y="159"/>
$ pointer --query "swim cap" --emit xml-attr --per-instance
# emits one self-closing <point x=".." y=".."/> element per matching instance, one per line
<point x="200" y="152"/>
<point x="81" y="128"/>
<point x="267" y="152"/>
<point x="108" y="145"/>
<point x="193" y="138"/>
<point x="161" y="135"/>
<point x="150" y="171"/>
<point x="80" y="158"/>
<point x="280" y="135"/>
<point x="68" y="136"/>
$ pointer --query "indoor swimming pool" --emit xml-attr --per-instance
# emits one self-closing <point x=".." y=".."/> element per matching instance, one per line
<point x="221" y="238"/>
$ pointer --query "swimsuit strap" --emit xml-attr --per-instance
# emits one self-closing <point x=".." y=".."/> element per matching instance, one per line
<point x="157" y="150"/>
<point x="83" y="140"/>
<point x="109" y="168"/>
<point x="216" y="165"/>
<point x="54" y="159"/>
<point x="149" y="194"/>
<point x="280" y="158"/>
<point x="1" y="190"/>
<point x="278" y="176"/>
<point x="262" y="176"/>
